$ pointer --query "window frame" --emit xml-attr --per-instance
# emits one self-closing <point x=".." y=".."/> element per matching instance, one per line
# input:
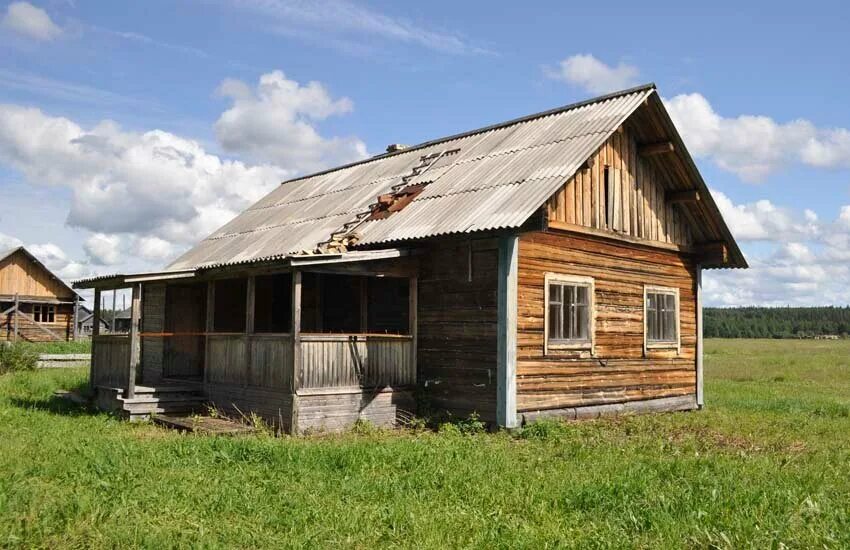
<point x="41" y="313"/>
<point x="662" y="345"/>
<point x="566" y="345"/>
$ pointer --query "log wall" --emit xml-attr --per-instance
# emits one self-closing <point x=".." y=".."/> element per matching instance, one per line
<point x="457" y="318"/>
<point x="636" y="196"/>
<point x="620" y="371"/>
<point x="29" y="331"/>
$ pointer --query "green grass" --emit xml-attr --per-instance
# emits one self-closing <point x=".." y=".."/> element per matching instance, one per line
<point x="766" y="463"/>
<point x="80" y="346"/>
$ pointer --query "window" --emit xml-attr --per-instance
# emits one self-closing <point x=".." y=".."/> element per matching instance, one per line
<point x="569" y="312"/>
<point x="44" y="313"/>
<point x="661" y="317"/>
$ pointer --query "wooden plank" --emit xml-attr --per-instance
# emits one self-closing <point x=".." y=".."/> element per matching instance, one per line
<point x="413" y="313"/>
<point x="659" y="148"/>
<point x="133" y="351"/>
<point x="506" y="389"/>
<point x="296" y="330"/>
<point x="699" y="345"/>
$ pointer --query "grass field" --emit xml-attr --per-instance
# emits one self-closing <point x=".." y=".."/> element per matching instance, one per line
<point x="79" y="346"/>
<point x="766" y="464"/>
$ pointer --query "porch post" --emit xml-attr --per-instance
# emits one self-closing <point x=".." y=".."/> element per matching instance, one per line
<point x="413" y="301"/>
<point x="296" y="330"/>
<point x="250" y="293"/>
<point x="134" y="347"/>
<point x="699" y="351"/>
<point x="75" y="317"/>
<point x="15" y="318"/>
<point x="95" y="332"/>
<point x="506" y="415"/>
<point x="210" y="325"/>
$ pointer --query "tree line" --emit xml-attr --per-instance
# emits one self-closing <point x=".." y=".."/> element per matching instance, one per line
<point x="776" y="322"/>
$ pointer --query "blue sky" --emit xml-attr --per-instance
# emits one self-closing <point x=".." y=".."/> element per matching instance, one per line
<point x="92" y="93"/>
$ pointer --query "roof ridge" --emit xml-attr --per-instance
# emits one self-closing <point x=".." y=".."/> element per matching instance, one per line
<point x="504" y="124"/>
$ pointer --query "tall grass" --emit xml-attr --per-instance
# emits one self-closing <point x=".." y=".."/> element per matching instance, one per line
<point x="764" y="465"/>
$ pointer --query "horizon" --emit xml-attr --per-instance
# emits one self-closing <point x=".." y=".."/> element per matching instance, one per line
<point x="130" y="132"/>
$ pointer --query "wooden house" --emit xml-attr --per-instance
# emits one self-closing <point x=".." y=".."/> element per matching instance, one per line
<point x="548" y="265"/>
<point x="35" y="305"/>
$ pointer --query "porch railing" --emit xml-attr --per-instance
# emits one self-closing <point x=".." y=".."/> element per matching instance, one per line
<point x="263" y="360"/>
<point x="110" y="360"/>
<point x="345" y="360"/>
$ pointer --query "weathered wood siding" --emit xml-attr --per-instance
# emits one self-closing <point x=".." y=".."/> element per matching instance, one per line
<point x="619" y="371"/>
<point x="30" y="331"/>
<point x="274" y="406"/>
<point x="110" y="361"/>
<point x="339" y="411"/>
<point x="153" y="322"/>
<point x="457" y="326"/>
<point x="257" y="360"/>
<point x="340" y="360"/>
<point x="636" y="193"/>
<point x="20" y="275"/>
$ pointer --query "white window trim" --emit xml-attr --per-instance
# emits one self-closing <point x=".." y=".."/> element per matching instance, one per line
<point x="649" y="346"/>
<point x="569" y="279"/>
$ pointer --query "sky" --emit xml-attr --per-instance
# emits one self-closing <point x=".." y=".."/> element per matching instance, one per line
<point x="130" y="131"/>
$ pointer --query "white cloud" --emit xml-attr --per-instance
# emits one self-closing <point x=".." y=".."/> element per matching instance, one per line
<point x="103" y="249"/>
<point x="25" y="19"/>
<point x="341" y="17"/>
<point x="155" y="249"/>
<point x="275" y="123"/>
<point x="7" y="242"/>
<point x="799" y="259"/>
<point x="152" y="183"/>
<point x="594" y="76"/>
<point x="762" y="220"/>
<point x="755" y="146"/>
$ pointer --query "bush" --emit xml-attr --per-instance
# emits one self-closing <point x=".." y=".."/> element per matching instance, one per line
<point x="17" y="357"/>
<point x="471" y="425"/>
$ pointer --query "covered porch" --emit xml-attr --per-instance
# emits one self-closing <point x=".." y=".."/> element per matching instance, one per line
<point x="291" y="343"/>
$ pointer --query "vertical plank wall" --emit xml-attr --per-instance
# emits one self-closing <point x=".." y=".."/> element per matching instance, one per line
<point x="153" y="322"/>
<point x="457" y="321"/>
<point x="636" y="191"/>
<point x="619" y="372"/>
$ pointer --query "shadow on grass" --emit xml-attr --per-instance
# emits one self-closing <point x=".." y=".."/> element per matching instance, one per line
<point x="79" y="405"/>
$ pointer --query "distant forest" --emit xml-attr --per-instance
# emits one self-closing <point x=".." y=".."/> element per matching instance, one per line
<point x="777" y="322"/>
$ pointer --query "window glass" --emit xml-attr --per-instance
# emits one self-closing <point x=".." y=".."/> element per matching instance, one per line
<point x="569" y="313"/>
<point x="661" y="325"/>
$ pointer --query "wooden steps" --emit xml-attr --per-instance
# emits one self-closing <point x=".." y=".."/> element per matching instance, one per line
<point x="166" y="399"/>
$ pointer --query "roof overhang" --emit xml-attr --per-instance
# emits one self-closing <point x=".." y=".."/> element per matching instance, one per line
<point x="117" y="280"/>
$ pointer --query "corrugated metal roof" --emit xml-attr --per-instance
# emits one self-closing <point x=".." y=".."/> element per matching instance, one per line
<point x="499" y="176"/>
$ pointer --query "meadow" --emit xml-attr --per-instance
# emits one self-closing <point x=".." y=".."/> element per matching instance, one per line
<point x="765" y="464"/>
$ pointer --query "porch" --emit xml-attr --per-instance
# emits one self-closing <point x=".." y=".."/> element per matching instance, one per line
<point x="309" y="347"/>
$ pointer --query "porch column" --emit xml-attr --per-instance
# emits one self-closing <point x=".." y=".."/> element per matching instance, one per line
<point x="699" y="328"/>
<point x="95" y="332"/>
<point x="296" y="330"/>
<point x="134" y="347"/>
<point x="413" y="305"/>
<point x="506" y="332"/>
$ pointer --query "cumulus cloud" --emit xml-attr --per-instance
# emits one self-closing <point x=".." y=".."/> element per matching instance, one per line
<point x="155" y="249"/>
<point x="275" y="123"/>
<point x="800" y="259"/>
<point x="30" y="21"/>
<point x="57" y="261"/>
<point x="151" y="183"/>
<point x="592" y="75"/>
<point x="754" y="146"/>
<point x="8" y="241"/>
<point x="763" y="220"/>
<point x="103" y="249"/>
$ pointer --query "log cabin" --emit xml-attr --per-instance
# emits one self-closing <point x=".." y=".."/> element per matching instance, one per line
<point x="35" y="304"/>
<point x="544" y="266"/>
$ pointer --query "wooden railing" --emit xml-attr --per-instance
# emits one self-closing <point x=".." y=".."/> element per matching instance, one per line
<point x="263" y="360"/>
<point x="346" y="360"/>
<point x="110" y="361"/>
